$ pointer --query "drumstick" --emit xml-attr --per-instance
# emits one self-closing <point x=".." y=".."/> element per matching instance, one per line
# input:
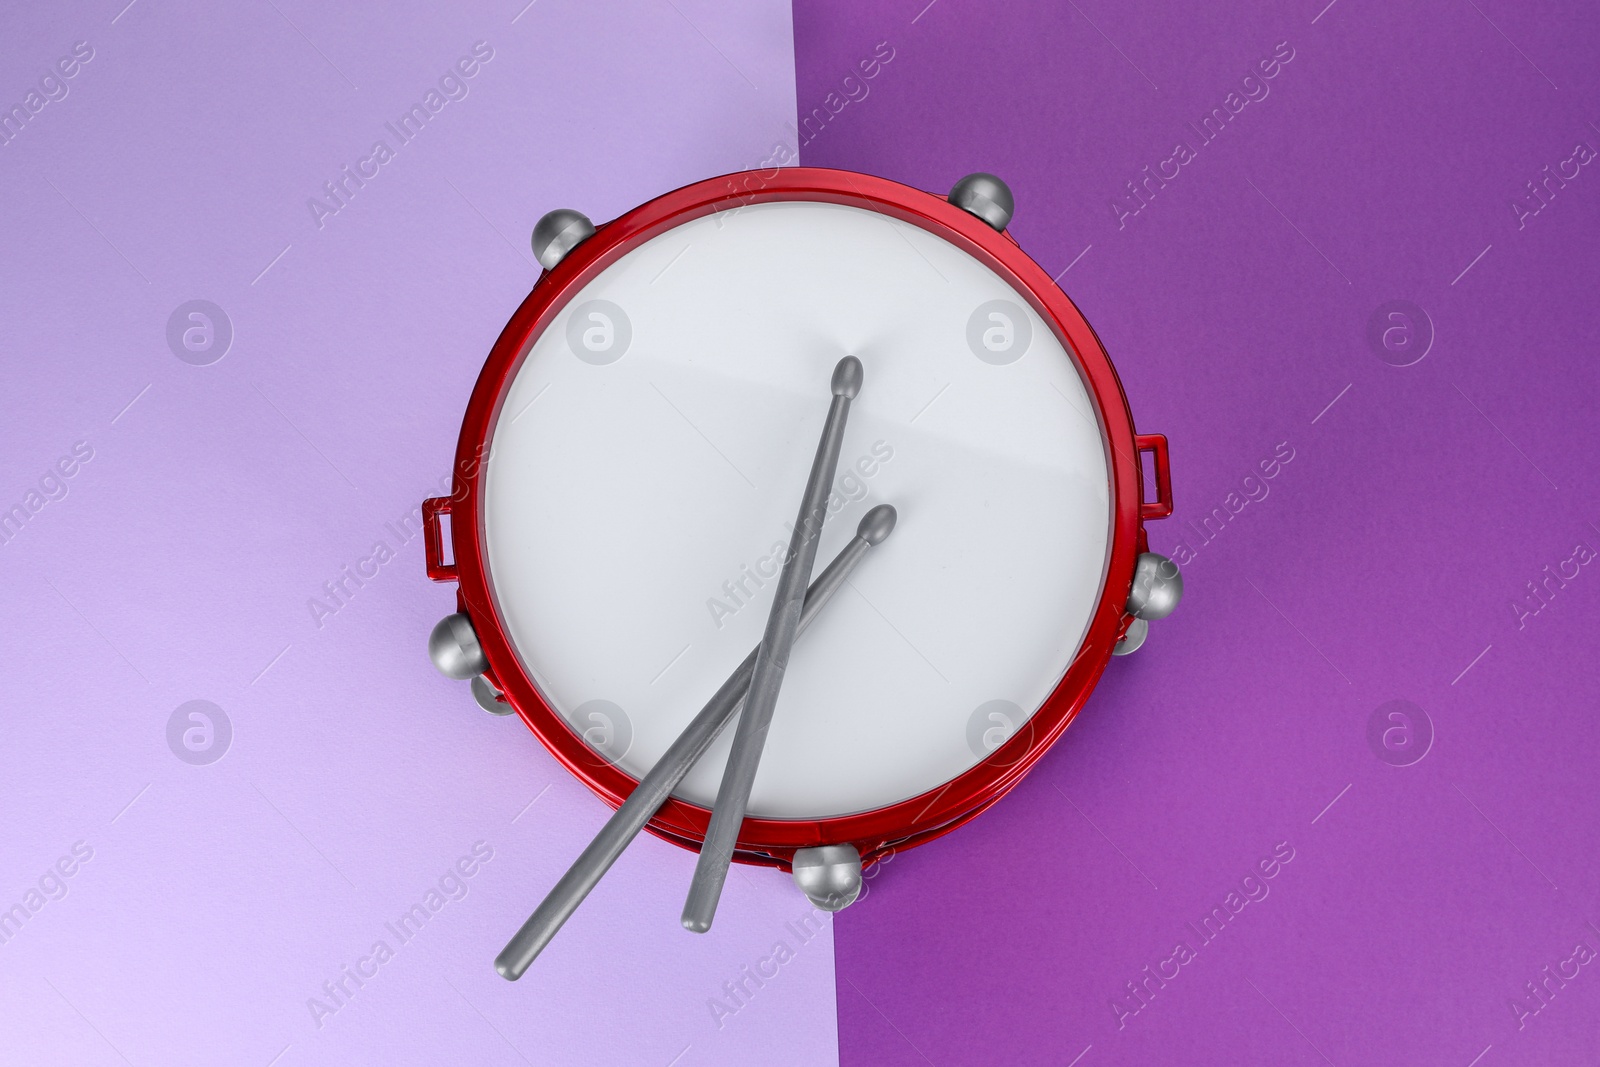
<point x="739" y="775"/>
<point x="654" y="788"/>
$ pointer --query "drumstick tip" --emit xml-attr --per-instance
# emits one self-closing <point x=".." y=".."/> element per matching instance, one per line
<point x="847" y="376"/>
<point x="877" y="524"/>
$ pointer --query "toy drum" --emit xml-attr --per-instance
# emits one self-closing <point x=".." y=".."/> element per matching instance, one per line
<point x="625" y="480"/>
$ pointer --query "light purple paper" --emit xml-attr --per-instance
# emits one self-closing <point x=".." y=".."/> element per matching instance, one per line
<point x="224" y="500"/>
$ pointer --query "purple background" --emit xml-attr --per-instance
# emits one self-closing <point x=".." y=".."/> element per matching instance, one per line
<point x="180" y="563"/>
<point x="1381" y="565"/>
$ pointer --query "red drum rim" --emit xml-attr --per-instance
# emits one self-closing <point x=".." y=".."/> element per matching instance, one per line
<point x="875" y="833"/>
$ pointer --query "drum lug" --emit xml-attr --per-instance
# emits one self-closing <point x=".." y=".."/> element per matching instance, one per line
<point x="453" y="646"/>
<point x="433" y="540"/>
<point x="1138" y="630"/>
<point x="985" y="196"/>
<point x="829" y="876"/>
<point x="1157" y="587"/>
<point x="1161" y="506"/>
<point x="559" y="232"/>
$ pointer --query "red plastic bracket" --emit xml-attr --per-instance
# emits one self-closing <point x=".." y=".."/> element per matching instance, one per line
<point x="1161" y="506"/>
<point x="432" y="540"/>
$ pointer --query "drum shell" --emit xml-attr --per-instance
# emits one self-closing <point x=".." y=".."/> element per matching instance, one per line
<point x="772" y="842"/>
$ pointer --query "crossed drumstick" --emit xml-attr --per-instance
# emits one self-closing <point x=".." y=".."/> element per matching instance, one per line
<point x="753" y="685"/>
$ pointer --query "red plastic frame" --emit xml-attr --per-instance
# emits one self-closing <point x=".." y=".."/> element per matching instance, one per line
<point x="922" y="818"/>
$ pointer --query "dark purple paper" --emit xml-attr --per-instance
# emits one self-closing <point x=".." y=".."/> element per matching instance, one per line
<point x="1382" y="163"/>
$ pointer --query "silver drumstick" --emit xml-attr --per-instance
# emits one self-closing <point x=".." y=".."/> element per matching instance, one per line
<point x="654" y="788"/>
<point x="772" y="658"/>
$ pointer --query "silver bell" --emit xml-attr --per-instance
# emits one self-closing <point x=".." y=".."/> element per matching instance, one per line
<point x="985" y="196"/>
<point x="829" y="876"/>
<point x="558" y="233"/>
<point x="1129" y="643"/>
<point x="488" y="697"/>
<point x="1157" y="587"/>
<point x="453" y="646"/>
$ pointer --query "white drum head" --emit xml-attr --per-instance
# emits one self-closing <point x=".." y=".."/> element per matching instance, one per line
<point x="648" y="461"/>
